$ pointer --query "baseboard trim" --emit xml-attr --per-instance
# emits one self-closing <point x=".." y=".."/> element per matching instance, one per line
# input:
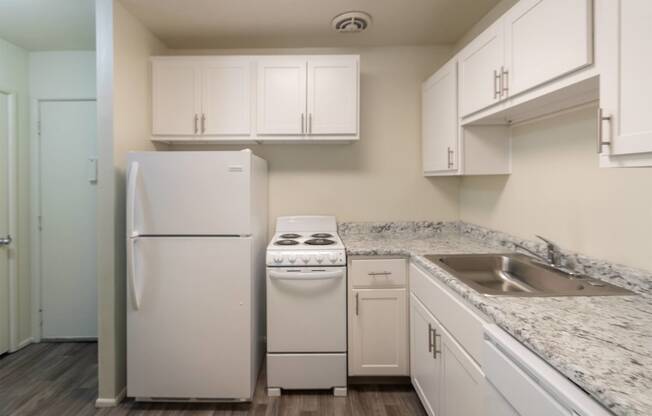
<point x="113" y="402"/>
<point x="23" y="344"/>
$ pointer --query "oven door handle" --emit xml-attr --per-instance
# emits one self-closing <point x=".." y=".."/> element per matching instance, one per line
<point x="325" y="275"/>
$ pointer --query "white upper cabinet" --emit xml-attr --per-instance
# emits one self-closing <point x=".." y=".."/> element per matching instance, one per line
<point x="226" y="96"/>
<point x="282" y="96"/>
<point x="333" y="95"/>
<point x="176" y="99"/>
<point x="545" y="39"/>
<point x="197" y="97"/>
<point x="625" y="128"/>
<point x="439" y="122"/>
<point x="481" y="63"/>
<point x="244" y="99"/>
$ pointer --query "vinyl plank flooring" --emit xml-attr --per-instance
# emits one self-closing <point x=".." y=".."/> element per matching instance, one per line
<point x="61" y="379"/>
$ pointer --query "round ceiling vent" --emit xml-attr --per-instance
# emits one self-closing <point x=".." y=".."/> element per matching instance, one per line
<point x="351" y="22"/>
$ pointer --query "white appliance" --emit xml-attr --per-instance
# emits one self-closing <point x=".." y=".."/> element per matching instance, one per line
<point x="306" y="306"/>
<point x="522" y="384"/>
<point x="196" y="226"/>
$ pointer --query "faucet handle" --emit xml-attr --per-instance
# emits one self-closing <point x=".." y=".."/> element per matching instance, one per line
<point x="550" y="243"/>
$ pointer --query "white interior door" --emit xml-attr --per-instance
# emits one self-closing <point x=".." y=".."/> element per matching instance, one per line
<point x="332" y="95"/>
<point x="68" y="229"/>
<point x="4" y="223"/>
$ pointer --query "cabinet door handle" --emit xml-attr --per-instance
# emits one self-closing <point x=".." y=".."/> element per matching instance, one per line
<point x="450" y="158"/>
<point x="309" y="123"/>
<point x="601" y="118"/>
<point x="435" y="351"/>
<point x="429" y="337"/>
<point x="357" y="298"/>
<point x="203" y="123"/>
<point x="504" y="81"/>
<point x="302" y="123"/>
<point x="379" y="273"/>
<point x="196" y="124"/>
<point x="496" y="84"/>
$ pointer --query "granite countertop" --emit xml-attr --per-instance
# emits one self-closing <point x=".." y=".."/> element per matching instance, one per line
<point x="602" y="343"/>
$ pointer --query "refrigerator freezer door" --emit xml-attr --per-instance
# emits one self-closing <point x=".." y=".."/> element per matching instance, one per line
<point x="190" y="193"/>
<point x="306" y="309"/>
<point x="191" y="336"/>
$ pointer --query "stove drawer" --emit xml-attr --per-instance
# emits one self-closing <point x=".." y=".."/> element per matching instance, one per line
<point x="306" y="309"/>
<point x="306" y="371"/>
<point x="378" y="273"/>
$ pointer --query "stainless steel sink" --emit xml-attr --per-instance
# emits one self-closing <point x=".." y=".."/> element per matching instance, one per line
<point x="516" y="274"/>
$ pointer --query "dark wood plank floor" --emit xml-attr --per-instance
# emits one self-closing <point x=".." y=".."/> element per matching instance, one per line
<point x="61" y="379"/>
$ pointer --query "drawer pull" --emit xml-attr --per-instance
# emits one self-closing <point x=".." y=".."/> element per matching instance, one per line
<point x="379" y="273"/>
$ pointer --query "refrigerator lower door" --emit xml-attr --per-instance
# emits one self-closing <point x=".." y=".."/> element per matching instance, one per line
<point x="191" y="335"/>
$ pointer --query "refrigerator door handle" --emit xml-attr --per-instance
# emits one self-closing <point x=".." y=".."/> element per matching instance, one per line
<point x="131" y="200"/>
<point x="305" y="275"/>
<point x="131" y="272"/>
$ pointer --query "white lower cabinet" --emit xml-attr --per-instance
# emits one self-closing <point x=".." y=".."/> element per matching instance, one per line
<point x="378" y="321"/>
<point x="446" y="377"/>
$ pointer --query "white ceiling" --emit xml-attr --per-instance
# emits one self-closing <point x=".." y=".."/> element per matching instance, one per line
<point x="39" y="25"/>
<point x="304" y="23"/>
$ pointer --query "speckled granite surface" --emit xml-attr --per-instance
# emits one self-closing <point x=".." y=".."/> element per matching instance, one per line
<point x="603" y="344"/>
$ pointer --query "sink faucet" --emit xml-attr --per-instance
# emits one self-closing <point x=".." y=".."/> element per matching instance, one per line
<point x="553" y="257"/>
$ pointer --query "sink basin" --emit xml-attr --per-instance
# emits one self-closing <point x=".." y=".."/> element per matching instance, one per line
<point x="516" y="274"/>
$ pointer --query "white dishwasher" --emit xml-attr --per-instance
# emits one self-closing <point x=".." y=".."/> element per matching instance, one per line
<point x="522" y="384"/>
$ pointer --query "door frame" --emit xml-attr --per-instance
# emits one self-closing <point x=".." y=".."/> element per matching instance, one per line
<point x="13" y="219"/>
<point x="35" y="209"/>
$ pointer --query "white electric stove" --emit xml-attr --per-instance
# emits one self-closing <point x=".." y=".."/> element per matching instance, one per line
<point x="306" y="306"/>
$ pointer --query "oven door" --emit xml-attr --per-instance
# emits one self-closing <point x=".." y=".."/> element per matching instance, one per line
<point x="306" y="309"/>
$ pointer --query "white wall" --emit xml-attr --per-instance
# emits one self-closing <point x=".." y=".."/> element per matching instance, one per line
<point x="62" y="74"/>
<point x="379" y="178"/>
<point x="124" y="123"/>
<point x="13" y="79"/>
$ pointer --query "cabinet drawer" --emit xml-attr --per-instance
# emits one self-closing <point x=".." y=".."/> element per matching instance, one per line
<point x="465" y="326"/>
<point x="378" y="272"/>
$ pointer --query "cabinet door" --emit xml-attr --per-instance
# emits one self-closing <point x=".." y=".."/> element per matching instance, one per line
<point x="546" y="39"/>
<point x="176" y="97"/>
<point x="480" y="64"/>
<point x="440" y="125"/>
<point x="425" y="369"/>
<point x="463" y="384"/>
<point x="625" y="81"/>
<point x="282" y="96"/>
<point x="332" y="95"/>
<point x="378" y="337"/>
<point x="226" y="102"/>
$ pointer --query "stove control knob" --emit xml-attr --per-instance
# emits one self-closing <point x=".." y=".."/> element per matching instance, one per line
<point x="332" y="257"/>
<point x="319" y="258"/>
<point x="305" y="259"/>
<point x="292" y="259"/>
<point x="278" y="259"/>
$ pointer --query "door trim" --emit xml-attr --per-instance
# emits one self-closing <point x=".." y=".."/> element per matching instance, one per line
<point x="13" y="219"/>
<point x="35" y="209"/>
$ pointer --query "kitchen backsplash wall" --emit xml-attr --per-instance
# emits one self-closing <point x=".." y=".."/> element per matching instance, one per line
<point x="378" y="178"/>
<point x="557" y="190"/>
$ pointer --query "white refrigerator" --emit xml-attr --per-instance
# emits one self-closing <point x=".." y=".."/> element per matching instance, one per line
<point x="196" y="237"/>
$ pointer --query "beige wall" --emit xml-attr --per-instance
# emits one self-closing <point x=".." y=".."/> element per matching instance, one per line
<point x="378" y="178"/>
<point x="126" y="87"/>
<point x="14" y="80"/>
<point x="557" y="190"/>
